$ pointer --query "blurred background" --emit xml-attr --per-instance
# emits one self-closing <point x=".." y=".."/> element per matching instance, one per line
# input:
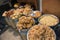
<point x="48" y="6"/>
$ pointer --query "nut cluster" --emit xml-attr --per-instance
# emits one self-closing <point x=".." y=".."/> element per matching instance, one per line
<point x="16" y="13"/>
<point x="8" y="13"/>
<point x="25" y="22"/>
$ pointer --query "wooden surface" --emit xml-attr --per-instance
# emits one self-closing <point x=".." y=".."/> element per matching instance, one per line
<point x="52" y="7"/>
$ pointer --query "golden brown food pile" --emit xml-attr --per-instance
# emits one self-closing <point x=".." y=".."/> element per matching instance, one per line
<point x="27" y="5"/>
<point x="17" y="13"/>
<point x="16" y="5"/>
<point x="27" y="11"/>
<point x="25" y="22"/>
<point x="22" y="10"/>
<point x="49" y="20"/>
<point x="35" y="14"/>
<point x="41" y="32"/>
<point x="8" y="13"/>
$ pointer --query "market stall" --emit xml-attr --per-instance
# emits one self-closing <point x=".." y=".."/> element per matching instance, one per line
<point x="30" y="22"/>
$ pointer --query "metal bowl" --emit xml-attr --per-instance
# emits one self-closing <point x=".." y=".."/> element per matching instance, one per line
<point x="51" y="19"/>
<point x="38" y="24"/>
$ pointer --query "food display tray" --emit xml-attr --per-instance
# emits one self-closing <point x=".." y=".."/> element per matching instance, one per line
<point x="23" y="33"/>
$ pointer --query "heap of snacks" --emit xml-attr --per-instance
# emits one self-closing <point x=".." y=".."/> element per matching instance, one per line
<point x="49" y="20"/>
<point x="27" y="11"/>
<point x="26" y="15"/>
<point x="8" y="13"/>
<point x="16" y="5"/>
<point x="17" y="13"/>
<point x="23" y="10"/>
<point x="25" y="22"/>
<point x="41" y="32"/>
